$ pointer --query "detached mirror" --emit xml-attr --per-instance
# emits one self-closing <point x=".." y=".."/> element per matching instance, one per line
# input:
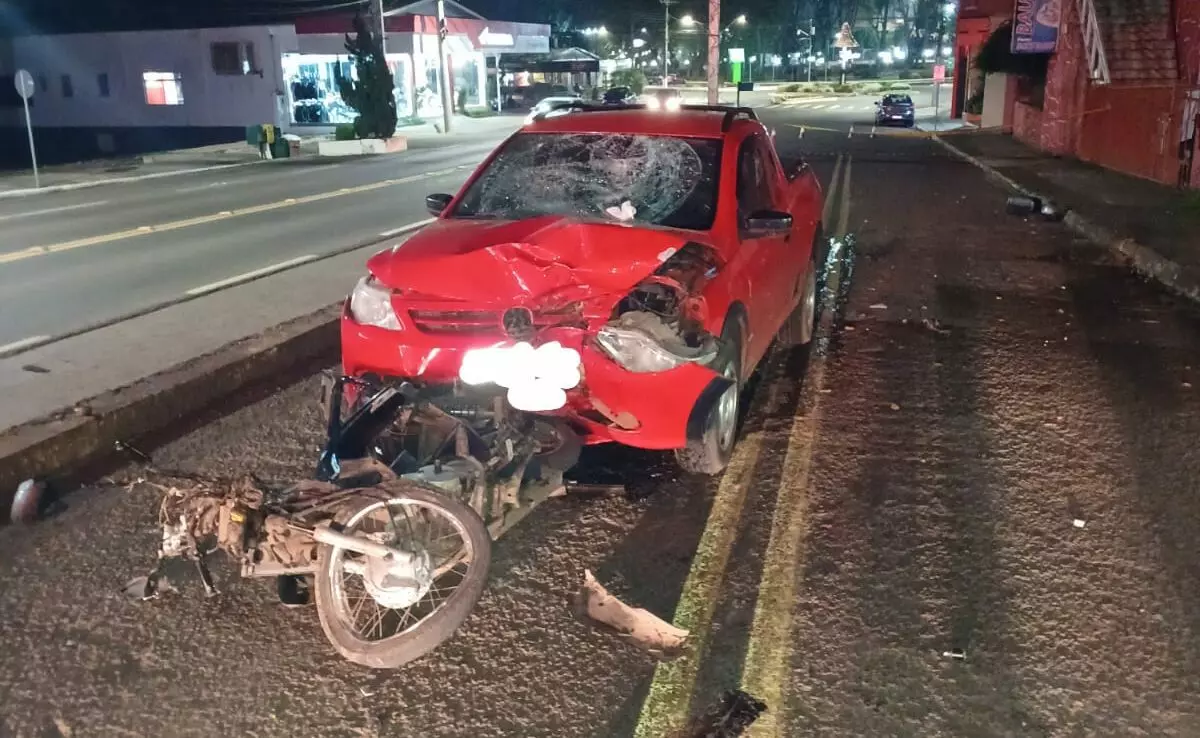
<point x="437" y="203"/>
<point x="767" y="223"/>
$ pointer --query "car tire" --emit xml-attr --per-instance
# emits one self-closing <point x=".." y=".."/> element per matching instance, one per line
<point x="801" y="324"/>
<point x="710" y="450"/>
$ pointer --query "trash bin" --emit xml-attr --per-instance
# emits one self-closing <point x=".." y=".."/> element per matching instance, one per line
<point x="281" y="149"/>
<point x="254" y="135"/>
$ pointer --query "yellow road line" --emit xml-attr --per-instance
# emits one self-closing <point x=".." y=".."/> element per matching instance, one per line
<point x="666" y="707"/>
<point x="766" y="667"/>
<point x="214" y="217"/>
<point x="831" y="192"/>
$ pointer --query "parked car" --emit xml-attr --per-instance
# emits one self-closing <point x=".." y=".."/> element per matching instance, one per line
<point x="619" y="96"/>
<point x="552" y="103"/>
<point x="618" y="273"/>
<point x="662" y="98"/>
<point x="893" y="109"/>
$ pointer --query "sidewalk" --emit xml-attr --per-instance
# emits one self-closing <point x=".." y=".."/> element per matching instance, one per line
<point x="184" y="161"/>
<point x="1154" y="226"/>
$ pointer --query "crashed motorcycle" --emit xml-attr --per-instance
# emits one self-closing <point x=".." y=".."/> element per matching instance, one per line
<point x="393" y="535"/>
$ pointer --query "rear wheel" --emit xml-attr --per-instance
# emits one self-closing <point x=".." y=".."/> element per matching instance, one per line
<point x="710" y="451"/>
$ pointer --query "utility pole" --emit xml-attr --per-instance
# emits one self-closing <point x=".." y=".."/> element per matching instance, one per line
<point x="714" y="51"/>
<point x="443" y="72"/>
<point x="376" y="9"/>
<point x="666" y="38"/>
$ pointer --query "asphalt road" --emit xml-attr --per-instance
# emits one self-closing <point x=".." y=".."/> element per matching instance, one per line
<point x="973" y="516"/>
<point x="75" y="258"/>
<point x="838" y="113"/>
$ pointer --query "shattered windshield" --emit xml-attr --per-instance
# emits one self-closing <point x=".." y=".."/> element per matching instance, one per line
<point x="654" y="180"/>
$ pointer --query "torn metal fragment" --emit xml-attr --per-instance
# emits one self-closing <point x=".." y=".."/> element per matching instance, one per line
<point x="730" y="717"/>
<point x="644" y="629"/>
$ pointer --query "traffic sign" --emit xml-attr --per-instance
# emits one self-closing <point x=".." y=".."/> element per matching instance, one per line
<point x="939" y="72"/>
<point x="23" y="81"/>
<point x="737" y="56"/>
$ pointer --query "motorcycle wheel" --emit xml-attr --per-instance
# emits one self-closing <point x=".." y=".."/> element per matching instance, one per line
<point x="405" y="600"/>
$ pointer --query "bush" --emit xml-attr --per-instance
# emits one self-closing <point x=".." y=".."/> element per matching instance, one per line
<point x="634" y="79"/>
<point x="478" y="111"/>
<point x="900" y="87"/>
<point x="462" y="100"/>
<point x="344" y="132"/>
<point x="795" y="87"/>
<point x="907" y="74"/>
<point x="974" y="103"/>
<point x="411" y="120"/>
<point x="842" y="88"/>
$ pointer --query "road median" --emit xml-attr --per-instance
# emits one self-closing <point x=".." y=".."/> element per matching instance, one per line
<point x="54" y="446"/>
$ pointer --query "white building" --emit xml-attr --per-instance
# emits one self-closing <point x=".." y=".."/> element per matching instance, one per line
<point x="129" y="92"/>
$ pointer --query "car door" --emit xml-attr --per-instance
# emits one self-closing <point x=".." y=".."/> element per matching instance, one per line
<point x="759" y="188"/>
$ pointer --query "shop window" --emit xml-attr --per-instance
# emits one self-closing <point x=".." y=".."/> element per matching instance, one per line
<point x="232" y="58"/>
<point x="163" y="88"/>
<point x="102" y="83"/>
<point x="68" y="90"/>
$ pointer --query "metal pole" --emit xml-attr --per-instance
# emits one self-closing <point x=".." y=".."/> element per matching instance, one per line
<point x="37" y="182"/>
<point x="666" y="39"/>
<point x="382" y="31"/>
<point x="714" y="51"/>
<point x="443" y="72"/>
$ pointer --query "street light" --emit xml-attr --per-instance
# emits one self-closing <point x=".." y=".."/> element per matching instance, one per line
<point x="687" y="21"/>
<point x="740" y="20"/>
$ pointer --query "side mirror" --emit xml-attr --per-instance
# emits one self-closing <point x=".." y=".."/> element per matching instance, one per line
<point x="767" y="223"/>
<point x="437" y="203"/>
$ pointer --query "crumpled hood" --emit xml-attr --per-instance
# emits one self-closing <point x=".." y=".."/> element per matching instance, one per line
<point x="490" y="261"/>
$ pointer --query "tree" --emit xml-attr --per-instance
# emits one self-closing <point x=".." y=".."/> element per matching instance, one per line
<point x="372" y="95"/>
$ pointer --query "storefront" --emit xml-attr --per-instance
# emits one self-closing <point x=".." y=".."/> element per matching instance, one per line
<point x="412" y="54"/>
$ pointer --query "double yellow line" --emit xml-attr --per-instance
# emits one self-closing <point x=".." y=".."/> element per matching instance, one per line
<point x="215" y="217"/>
<point x="765" y="669"/>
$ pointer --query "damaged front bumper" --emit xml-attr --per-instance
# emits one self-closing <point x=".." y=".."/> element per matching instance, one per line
<point x="650" y="410"/>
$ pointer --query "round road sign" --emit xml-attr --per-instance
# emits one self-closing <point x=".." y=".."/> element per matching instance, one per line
<point x="23" y="81"/>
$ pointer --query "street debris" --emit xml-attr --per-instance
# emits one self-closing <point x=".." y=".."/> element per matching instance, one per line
<point x="1078" y="523"/>
<point x="933" y="325"/>
<point x="955" y="653"/>
<point x="146" y="588"/>
<point x="879" y="306"/>
<point x="894" y="406"/>
<point x="585" y="489"/>
<point x="1022" y="205"/>
<point x="122" y="447"/>
<point x="27" y="503"/>
<point x="643" y="628"/>
<point x="729" y="718"/>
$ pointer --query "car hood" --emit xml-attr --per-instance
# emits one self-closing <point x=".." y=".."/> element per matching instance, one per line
<point x="521" y="261"/>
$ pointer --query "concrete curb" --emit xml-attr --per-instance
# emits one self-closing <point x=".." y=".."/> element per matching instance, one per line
<point x="1142" y="259"/>
<point x="61" y="443"/>
<point x="120" y="180"/>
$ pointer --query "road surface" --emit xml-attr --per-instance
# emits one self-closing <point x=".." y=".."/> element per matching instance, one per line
<point x="974" y="516"/>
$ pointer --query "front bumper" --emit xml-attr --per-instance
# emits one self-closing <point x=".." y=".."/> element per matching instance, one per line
<point x="649" y="411"/>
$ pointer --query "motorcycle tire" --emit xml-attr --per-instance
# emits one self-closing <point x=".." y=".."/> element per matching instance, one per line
<point x="430" y="633"/>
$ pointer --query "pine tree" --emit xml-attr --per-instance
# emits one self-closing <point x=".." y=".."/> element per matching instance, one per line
<point x="371" y="96"/>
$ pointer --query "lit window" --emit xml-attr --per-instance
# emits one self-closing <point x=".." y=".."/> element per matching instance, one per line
<point x="163" y="88"/>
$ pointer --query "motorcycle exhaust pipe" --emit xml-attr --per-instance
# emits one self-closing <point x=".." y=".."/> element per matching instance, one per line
<point x="324" y="534"/>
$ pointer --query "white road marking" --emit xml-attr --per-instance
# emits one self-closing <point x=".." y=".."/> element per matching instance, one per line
<point x="17" y="345"/>
<point x="407" y="228"/>
<point x="47" y="211"/>
<point x="214" y="286"/>
<point x="198" y="188"/>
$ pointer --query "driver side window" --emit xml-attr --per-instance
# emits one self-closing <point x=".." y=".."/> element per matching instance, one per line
<point x="753" y="179"/>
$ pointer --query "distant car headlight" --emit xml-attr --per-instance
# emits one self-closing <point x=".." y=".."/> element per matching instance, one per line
<point x="652" y="103"/>
<point x="371" y="304"/>
<point x="641" y="354"/>
<point x="673" y="103"/>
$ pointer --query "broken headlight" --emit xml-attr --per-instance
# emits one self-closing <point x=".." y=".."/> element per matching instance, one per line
<point x="371" y="304"/>
<point x="640" y="353"/>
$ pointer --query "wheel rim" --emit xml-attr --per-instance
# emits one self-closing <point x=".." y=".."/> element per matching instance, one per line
<point x="727" y="409"/>
<point x="372" y="600"/>
<point x="809" y="309"/>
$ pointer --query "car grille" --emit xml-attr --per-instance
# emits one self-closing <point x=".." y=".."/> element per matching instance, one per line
<point x="483" y="322"/>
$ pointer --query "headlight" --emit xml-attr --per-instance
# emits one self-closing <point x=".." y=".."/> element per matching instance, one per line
<point x="371" y="304"/>
<point x="673" y="103"/>
<point x="641" y="354"/>
<point x="652" y="103"/>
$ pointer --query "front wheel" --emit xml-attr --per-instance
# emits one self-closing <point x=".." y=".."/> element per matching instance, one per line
<point x="385" y="614"/>
<point x="709" y="450"/>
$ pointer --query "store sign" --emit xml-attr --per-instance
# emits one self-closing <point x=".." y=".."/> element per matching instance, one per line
<point x="488" y="38"/>
<point x="737" y="56"/>
<point x="1035" y="26"/>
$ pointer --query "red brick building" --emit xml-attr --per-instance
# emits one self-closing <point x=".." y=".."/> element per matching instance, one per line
<point x="1122" y="89"/>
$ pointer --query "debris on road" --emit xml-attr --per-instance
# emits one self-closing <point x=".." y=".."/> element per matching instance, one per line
<point x="27" y="503"/>
<point x="642" y="627"/>
<point x="879" y="306"/>
<point x="894" y="406"/>
<point x="1022" y="205"/>
<point x="730" y="717"/>
<point x="137" y="454"/>
<point x="933" y="325"/>
<point x="586" y="489"/>
<point x="955" y="653"/>
<point x="1079" y="523"/>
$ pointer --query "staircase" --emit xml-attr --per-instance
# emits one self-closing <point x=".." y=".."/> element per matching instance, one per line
<point x="1138" y="41"/>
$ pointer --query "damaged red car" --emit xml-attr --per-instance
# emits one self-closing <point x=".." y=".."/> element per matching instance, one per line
<point x="620" y="271"/>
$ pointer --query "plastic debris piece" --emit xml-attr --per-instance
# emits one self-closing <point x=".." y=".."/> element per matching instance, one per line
<point x="643" y="628"/>
<point x="933" y="325"/>
<point x="1078" y="522"/>
<point x="955" y="653"/>
<point x="730" y="717"/>
<point x="879" y="306"/>
<point x="894" y="406"/>
<point x="1022" y="205"/>
<point x="27" y="503"/>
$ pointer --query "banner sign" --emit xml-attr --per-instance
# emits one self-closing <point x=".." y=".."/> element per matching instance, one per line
<point x="1035" y="26"/>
